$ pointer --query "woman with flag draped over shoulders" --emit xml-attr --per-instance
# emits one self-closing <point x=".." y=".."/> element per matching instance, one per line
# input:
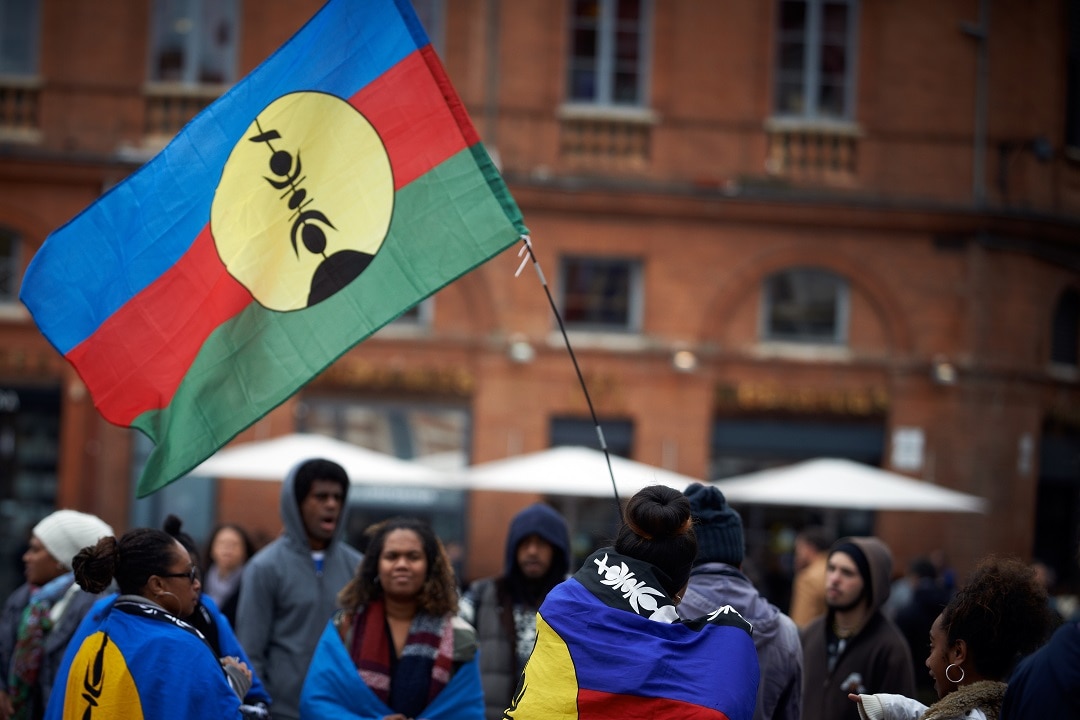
<point x="396" y="649"/>
<point x="609" y="643"/>
<point x="143" y="661"/>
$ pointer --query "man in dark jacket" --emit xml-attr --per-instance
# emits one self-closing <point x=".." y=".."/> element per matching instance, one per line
<point x="503" y="609"/>
<point x="717" y="580"/>
<point x="289" y="588"/>
<point x="853" y="647"/>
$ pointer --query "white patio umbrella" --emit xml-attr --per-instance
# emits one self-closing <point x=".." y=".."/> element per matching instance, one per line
<point x="836" y="483"/>
<point x="272" y="459"/>
<point x="575" y="471"/>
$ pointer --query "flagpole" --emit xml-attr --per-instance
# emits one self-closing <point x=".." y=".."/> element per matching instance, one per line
<point x="527" y="248"/>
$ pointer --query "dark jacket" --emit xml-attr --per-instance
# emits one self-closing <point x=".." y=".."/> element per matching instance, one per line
<point x="776" y="637"/>
<point x="490" y="605"/>
<point x="284" y="604"/>
<point x="876" y="659"/>
<point x="56" y="641"/>
<point x="1046" y="684"/>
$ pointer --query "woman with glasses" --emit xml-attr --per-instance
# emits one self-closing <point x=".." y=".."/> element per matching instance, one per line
<point x="143" y="660"/>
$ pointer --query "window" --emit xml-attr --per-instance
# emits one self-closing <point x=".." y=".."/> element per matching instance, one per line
<point x="433" y="18"/>
<point x="618" y="434"/>
<point x="608" y="42"/>
<point x="194" y="41"/>
<point x="805" y="305"/>
<point x="601" y="294"/>
<point x="419" y="315"/>
<point x="815" y="59"/>
<point x="404" y="429"/>
<point x="10" y="266"/>
<point x="19" y="31"/>
<point x="1065" y="333"/>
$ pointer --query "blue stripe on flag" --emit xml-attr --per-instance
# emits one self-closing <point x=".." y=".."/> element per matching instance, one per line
<point x="106" y="255"/>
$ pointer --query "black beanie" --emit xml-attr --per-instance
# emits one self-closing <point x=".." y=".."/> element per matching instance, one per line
<point x="717" y="526"/>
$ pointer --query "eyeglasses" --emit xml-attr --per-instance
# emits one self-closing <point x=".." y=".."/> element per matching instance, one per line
<point x="192" y="574"/>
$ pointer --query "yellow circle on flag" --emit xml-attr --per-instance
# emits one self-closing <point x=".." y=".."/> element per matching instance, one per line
<point x="304" y="202"/>
<point x="99" y="683"/>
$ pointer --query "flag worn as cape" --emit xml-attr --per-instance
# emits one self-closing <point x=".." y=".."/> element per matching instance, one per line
<point x="333" y="188"/>
<point x="96" y="617"/>
<point x="606" y="649"/>
<point x="143" y="663"/>
<point x="333" y="689"/>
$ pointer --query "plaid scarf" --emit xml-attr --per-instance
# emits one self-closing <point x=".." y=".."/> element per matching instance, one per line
<point x="422" y="670"/>
<point x="30" y="643"/>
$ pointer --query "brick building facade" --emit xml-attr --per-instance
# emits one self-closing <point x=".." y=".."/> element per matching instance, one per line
<point x="777" y="230"/>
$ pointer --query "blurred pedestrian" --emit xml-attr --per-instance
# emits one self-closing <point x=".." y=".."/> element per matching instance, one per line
<point x="999" y="616"/>
<point x="503" y="609"/>
<point x="717" y="579"/>
<point x="143" y="660"/>
<point x="808" y="589"/>
<point x="396" y="649"/>
<point x="609" y="642"/>
<point x="208" y="619"/>
<point x="925" y="602"/>
<point x="853" y="647"/>
<point x="289" y="588"/>
<point x="41" y="616"/>
<point x="227" y="553"/>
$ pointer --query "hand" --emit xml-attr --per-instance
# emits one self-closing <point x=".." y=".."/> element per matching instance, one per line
<point x="857" y="699"/>
<point x="6" y="708"/>
<point x="235" y="662"/>
<point x="395" y="716"/>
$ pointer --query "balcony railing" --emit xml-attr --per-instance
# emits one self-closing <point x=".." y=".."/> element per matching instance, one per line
<point x="822" y="153"/>
<point x="605" y="139"/>
<point x="20" y="113"/>
<point x="168" y="107"/>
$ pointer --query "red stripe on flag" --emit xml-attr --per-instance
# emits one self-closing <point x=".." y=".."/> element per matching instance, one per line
<point x="137" y="357"/>
<point x="408" y="107"/>
<point x="597" y="705"/>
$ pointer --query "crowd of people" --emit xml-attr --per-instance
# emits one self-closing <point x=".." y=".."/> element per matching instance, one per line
<point x="664" y="622"/>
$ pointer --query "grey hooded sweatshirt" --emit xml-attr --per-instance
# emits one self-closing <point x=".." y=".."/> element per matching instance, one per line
<point x="776" y="637"/>
<point x="284" y="603"/>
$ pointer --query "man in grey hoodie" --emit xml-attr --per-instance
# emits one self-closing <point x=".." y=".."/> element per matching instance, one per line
<point x="289" y="588"/>
<point x="717" y="580"/>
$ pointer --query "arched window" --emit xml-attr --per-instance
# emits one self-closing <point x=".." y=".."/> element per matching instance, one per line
<point x="1065" y="332"/>
<point x="805" y="305"/>
<point x="10" y="265"/>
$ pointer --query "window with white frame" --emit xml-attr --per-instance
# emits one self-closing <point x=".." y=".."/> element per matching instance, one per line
<point x="601" y="293"/>
<point x="194" y="42"/>
<point x="815" y="60"/>
<point x="807" y="305"/>
<point x="608" y="52"/>
<point x="19" y="31"/>
<point x="432" y="14"/>
<point x="10" y="265"/>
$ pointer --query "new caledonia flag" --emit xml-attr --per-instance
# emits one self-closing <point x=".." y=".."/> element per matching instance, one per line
<point x="333" y="188"/>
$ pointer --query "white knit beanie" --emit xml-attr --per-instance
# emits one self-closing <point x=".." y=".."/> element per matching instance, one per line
<point x="66" y="532"/>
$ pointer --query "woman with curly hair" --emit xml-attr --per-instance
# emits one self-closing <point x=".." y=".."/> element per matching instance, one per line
<point x="396" y="649"/>
<point x="996" y="619"/>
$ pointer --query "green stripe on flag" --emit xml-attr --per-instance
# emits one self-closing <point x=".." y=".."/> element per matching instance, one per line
<point x="445" y="223"/>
